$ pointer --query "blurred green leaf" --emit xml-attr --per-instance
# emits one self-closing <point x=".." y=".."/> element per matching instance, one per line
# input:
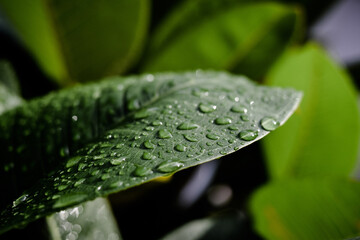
<point x="80" y="40"/>
<point x="223" y="226"/>
<point x="9" y="91"/>
<point x="239" y="37"/>
<point x="322" y="137"/>
<point x="307" y="209"/>
<point x="126" y="131"/>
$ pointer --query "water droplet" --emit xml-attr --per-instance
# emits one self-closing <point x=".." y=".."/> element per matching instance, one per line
<point x="269" y="123"/>
<point x="141" y="114"/>
<point x="147" y="156"/>
<point x="169" y="166"/>
<point x="72" y="161"/>
<point x="207" y="108"/>
<point x="222" y="121"/>
<point x="117" y="161"/>
<point x="142" y="171"/>
<point x="212" y="136"/>
<point x="180" y="148"/>
<point x="95" y="172"/>
<point x="233" y="128"/>
<point x="21" y="199"/>
<point x="149" y="128"/>
<point x="164" y="134"/>
<point x="62" y="187"/>
<point x="245" y="118"/>
<point x="116" y="184"/>
<point x="79" y="182"/>
<point x="239" y="109"/>
<point x="148" y="144"/>
<point x="105" y="176"/>
<point x="69" y="199"/>
<point x="248" y="135"/>
<point x="187" y="126"/>
<point x="190" y="138"/>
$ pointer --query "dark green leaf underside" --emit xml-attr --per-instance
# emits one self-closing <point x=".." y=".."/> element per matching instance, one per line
<point x="160" y="124"/>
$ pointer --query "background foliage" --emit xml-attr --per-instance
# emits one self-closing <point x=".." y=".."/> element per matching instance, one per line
<point x="300" y="182"/>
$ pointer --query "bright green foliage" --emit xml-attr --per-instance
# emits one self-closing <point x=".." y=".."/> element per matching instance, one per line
<point x="321" y="138"/>
<point x="243" y="38"/>
<point x="307" y="209"/>
<point x="123" y="132"/>
<point x="8" y="88"/>
<point x="80" y="40"/>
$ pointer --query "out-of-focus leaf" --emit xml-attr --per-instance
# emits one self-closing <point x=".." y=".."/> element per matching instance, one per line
<point x="91" y="220"/>
<point x="322" y="137"/>
<point x="123" y="132"/>
<point x="307" y="209"/>
<point x="8" y="88"/>
<point x="225" y="226"/>
<point x="243" y="38"/>
<point x="80" y="40"/>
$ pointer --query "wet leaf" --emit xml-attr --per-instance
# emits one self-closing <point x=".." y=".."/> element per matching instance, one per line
<point x="307" y="209"/>
<point x="98" y="139"/>
<point x="321" y="138"/>
<point x="248" y="37"/>
<point x="80" y="40"/>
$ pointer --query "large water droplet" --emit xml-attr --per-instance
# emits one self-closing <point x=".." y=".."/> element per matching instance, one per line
<point x="222" y="121"/>
<point x="79" y="182"/>
<point x="190" y="138"/>
<point x="207" y="108"/>
<point x="149" y="128"/>
<point x="21" y="199"/>
<point x="147" y="156"/>
<point x="105" y="176"/>
<point x="180" y="148"/>
<point x="245" y="118"/>
<point x="212" y="136"/>
<point x="164" y="134"/>
<point x="117" y="161"/>
<point x="148" y="144"/>
<point x="62" y="187"/>
<point x="69" y="199"/>
<point x="187" y="126"/>
<point x="269" y="123"/>
<point x="169" y="166"/>
<point x="133" y="104"/>
<point x="142" y="171"/>
<point x="72" y="161"/>
<point x="239" y="109"/>
<point x="248" y="135"/>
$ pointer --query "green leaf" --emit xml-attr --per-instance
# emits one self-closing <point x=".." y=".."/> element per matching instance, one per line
<point x="223" y="226"/>
<point x="9" y="90"/>
<point x="80" y="40"/>
<point x="322" y="138"/>
<point x="126" y="131"/>
<point x="307" y="209"/>
<point x="243" y="38"/>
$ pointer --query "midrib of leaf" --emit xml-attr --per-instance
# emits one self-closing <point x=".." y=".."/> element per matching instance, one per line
<point x="307" y="120"/>
<point x="252" y="41"/>
<point x="59" y="45"/>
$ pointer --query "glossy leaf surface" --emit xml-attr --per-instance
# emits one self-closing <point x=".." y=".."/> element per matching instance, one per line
<point x="321" y="138"/>
<point x="80" y="40"/>
<point x="126" y="131"/>
<point x="307" y="209"/>
<point x="240" y="37"/>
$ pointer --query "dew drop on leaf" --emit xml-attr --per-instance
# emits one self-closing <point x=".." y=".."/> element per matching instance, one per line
<point x="72" y="161"/>
<point x="239" y="109"/>
<point x="148" y="144"/>
<point x="187" y="126"/>
<point x="248" y="135"/>
<point x="147" y="156"/>
<point x="222" y="121"/>
<point x="207" y="108"/>
<point x="164" y="134"/>
<point x="245" y="118"/>
<point x="21" y="199"/>
<point x="190" y="138"/>
<point x="169" y="166"/>
<point x="141" y="114"/>
<point x="212" y="136"/>
<point x="180" y="148"/>
<point x="69" y="199"/>
<point x="269" y="123"/>
<point x="142" y="171"/>
<point x="117" y="161"/>
<point x="62" y="187"/>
